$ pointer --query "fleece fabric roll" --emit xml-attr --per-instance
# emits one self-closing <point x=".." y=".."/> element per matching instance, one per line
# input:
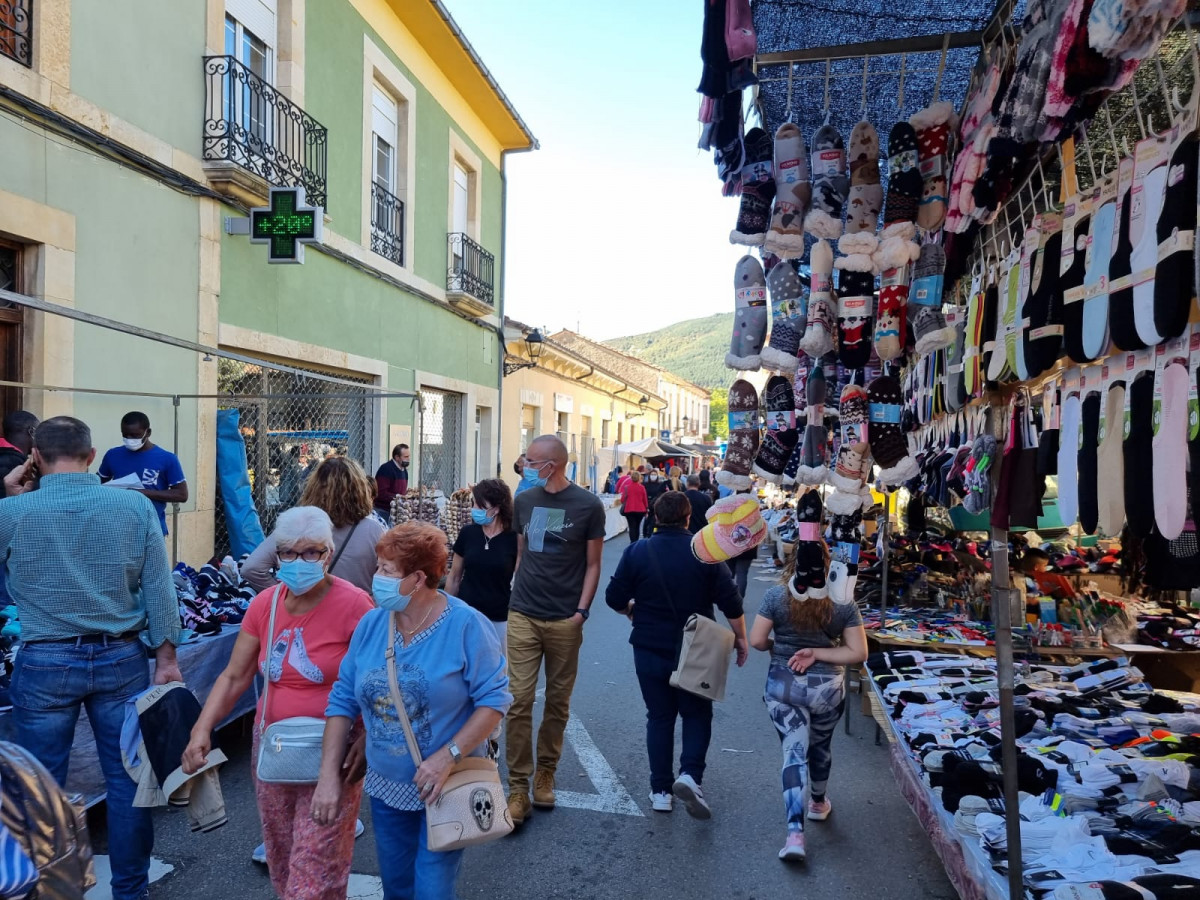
<point x="1138" y="457"/>
<point x="1110" y="469"/>
<point x="1042" y="340"/>
<point x="1171" y="454"/>
<point x="1122" y="321"/>
<point x="1174" y="286"/>
<point x="1072" y="271"/>
<point x="1068" y="459"/>
<point x="1089" y="510"/>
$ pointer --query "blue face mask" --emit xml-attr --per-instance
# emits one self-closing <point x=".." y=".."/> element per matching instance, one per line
<point x="533" y="477"/>
<point x="480" y="516"/>
<point x="386" y="591"/>
<point x="301" y="576"/>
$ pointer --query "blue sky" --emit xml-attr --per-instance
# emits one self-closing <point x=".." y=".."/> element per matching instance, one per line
<point x="617" y="225"/>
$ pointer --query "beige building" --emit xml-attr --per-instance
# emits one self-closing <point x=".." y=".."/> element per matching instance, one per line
<point x="685" y="416"/>
<point x="590" y="406"/>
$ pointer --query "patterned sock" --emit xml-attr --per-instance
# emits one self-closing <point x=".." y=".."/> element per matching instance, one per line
<point x="793" y="193"/>
<point x="830" y="184"/>
<point x="758" y="190"/>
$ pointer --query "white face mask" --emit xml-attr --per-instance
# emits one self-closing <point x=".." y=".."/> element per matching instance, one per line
<point x="133" y="444"/>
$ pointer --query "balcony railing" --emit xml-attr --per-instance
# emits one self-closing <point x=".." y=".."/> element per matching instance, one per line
<point x="387" y="224"/>
<point x="16" y="30"/>
<point x="472" y="269"/>
<point x="251" y="124"/>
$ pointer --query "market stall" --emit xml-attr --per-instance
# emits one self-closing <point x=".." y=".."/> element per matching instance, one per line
<point x="971" y="273"/>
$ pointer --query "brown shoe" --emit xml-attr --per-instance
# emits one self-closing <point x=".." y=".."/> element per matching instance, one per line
<point x="543" y="789"/>
<point x="518" y="807"/>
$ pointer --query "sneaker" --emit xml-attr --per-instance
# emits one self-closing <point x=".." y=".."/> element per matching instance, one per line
<point x="359" y="828"/>
<point x="543" y="789"/>
<point x="691" y="797"/>
<point x="819" y="812"/>
<point x="518" y="807"/>
<point x="260" y="854"/>
<point x="661" y="802"/>
<point x="793" y="848"/>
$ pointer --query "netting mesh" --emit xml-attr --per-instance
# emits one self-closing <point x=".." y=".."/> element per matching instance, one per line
<point x="441" y="441"/>
<point x="290" y="422"/>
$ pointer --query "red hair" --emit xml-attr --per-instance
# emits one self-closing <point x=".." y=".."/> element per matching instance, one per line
<point x="416" y="547"/>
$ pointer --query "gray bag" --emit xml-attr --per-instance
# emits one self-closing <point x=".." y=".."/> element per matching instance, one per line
<point x="703" y="666"/>
<point x="289" y="751"/>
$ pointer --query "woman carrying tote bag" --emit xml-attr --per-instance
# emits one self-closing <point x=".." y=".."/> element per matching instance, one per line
<point x="315" y="614"/>
<point x="660" y="584"/>
<point x="450" y="677"/>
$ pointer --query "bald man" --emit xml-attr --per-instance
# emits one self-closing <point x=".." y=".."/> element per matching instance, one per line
<point x="560" y="540"/>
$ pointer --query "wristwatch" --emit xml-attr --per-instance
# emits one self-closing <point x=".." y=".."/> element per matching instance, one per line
<point x="455" y="753"/>
<point x="584" y="613"/>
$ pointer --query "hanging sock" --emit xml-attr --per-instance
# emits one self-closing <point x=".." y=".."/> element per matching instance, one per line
<point x="855" y="300"/>
<point x="1068" y="459"/>
<point x="793" y="193"/>
<point x="749" y="316"/>
<point x="865" y="200"/>
<point x="1174" y="284"/>
<point x="932" y="126"/>
<point x="1143" y="229"/>
<point x="973" y="351"/>
<point x="758" y="190"/>
<point x="1085" y="466"/>
<point x="1138" y="457"/>
<point x="956" y="393"/>
<point x="1170" y="454"/>
<point x="781" y="437"/>
<point x="884" y="434"/>
<point x="1110" y="468"/>
<point x="929" y="325"/>
<point x="789" y="311"/>
<point x="813" y="469"/>
<point x="830" y="184"/>
<point x="1121" y="319"/>
<point x="1077" y="223"/>
<point x="1042" y="340"/>
<point x="743" y="436"/>
<point x="1092" y="297"/>
<point x="821" y="325"/>
<point x="1006" y="316"/>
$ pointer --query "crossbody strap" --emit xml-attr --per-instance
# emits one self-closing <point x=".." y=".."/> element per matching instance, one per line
<point x="262" y="723"/>
<point x="662" y="581"/>
<point x="342" y="549"/>
<point x="397" y="697"/>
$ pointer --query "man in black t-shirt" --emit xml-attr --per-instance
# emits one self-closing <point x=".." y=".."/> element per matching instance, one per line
<point x="700" y="503"/>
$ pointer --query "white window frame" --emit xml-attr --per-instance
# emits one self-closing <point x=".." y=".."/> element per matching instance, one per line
<point x="462" y="156"/>
<point x="379" y="71"/>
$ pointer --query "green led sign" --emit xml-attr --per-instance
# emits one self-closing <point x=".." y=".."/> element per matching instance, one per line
<point x="287" y="225"/>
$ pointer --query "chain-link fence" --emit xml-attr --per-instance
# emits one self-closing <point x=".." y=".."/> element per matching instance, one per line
<point x="290" y="422"/>
<point x="441" y="441"/>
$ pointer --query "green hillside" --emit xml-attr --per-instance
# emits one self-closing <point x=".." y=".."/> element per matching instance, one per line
<point x="694" y="349"/>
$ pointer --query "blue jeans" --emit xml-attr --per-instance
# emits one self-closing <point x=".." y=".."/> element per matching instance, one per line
<point x="663" y="705"/>
<point x="409" y="869"/>
<point x="50" y="682"/>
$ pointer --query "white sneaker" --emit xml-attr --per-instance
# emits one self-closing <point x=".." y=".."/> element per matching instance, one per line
<point x="260" y="854"/>
<point x="690" y="795"/>
<point x="359" y="828"/>
<point x="661" y="802"/>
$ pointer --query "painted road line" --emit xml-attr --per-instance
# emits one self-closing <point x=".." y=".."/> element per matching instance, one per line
<point x="612" y="796"/>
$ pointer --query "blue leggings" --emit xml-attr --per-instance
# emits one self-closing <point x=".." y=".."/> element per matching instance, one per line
<point x="804" y="710"/>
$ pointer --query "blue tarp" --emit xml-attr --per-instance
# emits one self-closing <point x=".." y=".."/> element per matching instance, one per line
<point x="233" y="477"/>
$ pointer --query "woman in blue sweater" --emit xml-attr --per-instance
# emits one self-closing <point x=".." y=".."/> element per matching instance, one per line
<point x="659" y="584"/>
<point x="452" y="675"/>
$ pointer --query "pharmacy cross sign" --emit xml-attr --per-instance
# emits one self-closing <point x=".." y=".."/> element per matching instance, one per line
<point x="287" y="225"/>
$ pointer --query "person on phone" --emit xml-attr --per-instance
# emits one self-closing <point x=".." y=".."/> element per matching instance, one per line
<point x="455" y="691"/>
<point x="315" y="617"/>
<point x="158" y="470"/>
<point x="811" y="640"/>
<point x="87" y="568"/>
<point x="659" y="584"/>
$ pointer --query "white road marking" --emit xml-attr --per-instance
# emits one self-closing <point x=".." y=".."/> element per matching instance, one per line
<point x="612" y="796"/>
<point x="364" y="887"/>
<point x="103" y="872"/>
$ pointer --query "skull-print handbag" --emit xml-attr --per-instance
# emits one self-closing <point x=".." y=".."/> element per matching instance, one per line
<point x="289" y="751"/>
<point x="472" y="809"/>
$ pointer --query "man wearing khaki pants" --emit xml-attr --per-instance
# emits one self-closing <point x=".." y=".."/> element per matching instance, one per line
<point x="560" y="540"/>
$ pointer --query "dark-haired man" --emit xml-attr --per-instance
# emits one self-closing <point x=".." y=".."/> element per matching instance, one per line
<point x="391" y="480"/>
<point x="88" y="570"/>
<point x="17" y="441"/>
<point x="158" y="470"/>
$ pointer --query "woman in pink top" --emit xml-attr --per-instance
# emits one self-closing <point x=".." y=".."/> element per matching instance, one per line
<point x="634" y="504"/>
<point x="315" y="615"/>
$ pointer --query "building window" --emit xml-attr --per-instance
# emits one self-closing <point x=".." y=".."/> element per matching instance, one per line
<point x="248" y="108"/>
<point x="564" y="427"/>
<point x="529" y="425"/>
<point x="10" y="326"/>
<point x="16" y="30"/>
<point x="604" y="432"/>
<point x="441" y="441"/>
<point x="387" y="209"/>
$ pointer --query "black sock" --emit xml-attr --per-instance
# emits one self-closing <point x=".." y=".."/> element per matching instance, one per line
<point x="1089" y="498"/>
<point x="1138" y="453"/>
<point x="1174" y="278"/>
<point x="1122" y="325"/>
<point x="818" y="798"/>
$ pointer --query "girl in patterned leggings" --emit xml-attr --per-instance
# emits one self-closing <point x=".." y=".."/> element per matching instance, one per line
<point x="811" y="639"/>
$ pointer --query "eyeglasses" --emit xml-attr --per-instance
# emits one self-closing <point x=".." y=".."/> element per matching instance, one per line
<point x="306" y="555"/>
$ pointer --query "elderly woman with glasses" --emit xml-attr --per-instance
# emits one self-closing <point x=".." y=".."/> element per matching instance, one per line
<point x="315" y="617"/>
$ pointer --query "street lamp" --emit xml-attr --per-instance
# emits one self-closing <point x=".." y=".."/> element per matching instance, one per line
<point x="533" y="346"/>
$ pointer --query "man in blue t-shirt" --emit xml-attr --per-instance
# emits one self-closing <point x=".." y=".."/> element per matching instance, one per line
<point x="158" y="470"/>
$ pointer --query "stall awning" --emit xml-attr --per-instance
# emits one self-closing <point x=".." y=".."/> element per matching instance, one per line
<point x="651" y="448"/>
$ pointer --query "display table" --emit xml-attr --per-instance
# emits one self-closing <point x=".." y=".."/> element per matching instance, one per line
<point x="614" y="522"/>
<point x="200" y="662"/>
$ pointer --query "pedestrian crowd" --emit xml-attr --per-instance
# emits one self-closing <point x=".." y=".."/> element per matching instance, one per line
<point x="390" y="666"/>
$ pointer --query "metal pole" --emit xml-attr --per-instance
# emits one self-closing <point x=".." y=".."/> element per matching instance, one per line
<point x="175" y="506"/>
<point x="1002" y="616"/>
<point x="883" y="558"/>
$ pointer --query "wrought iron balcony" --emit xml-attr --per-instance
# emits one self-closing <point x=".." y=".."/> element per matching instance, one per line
<point x="387" y="224"/>
<point x="252" y="125"/>
<point x="471" y="273"/>
<point x="16" y="30"/>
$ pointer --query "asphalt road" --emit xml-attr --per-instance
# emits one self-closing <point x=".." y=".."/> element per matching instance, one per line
<point x="872" y="845"/>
